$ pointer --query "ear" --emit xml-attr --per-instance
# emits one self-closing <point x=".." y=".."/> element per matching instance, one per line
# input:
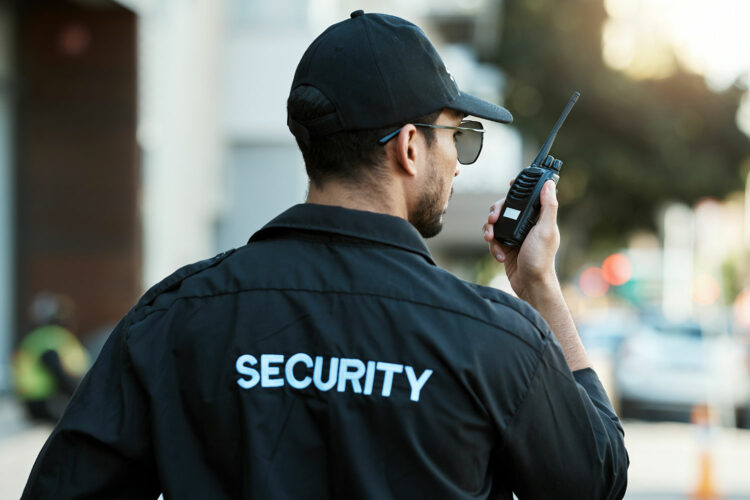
<point x="408" y="148"/>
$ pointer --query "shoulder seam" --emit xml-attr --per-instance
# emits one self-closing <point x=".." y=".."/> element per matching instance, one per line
<point x="343" y="292"/>
<point x="179" y="276"/>
<point x="480" y="288"/>
<point x="521" y="313"/>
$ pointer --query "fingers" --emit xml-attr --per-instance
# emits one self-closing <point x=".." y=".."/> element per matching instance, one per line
<point x="495" y="248"/>
<point x="548" y="215"/>
<point x="495" y="210"/>
<point x="497" y="251"/>
<point x="547" y="224"/>
<point x="488" y="232"/>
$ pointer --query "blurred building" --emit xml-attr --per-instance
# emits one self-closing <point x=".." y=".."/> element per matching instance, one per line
<point x="140" y="135"/>
<point x="69" y="162"/>
<point x="246" y="168"/>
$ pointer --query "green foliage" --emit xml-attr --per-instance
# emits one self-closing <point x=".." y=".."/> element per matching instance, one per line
<point x="485" y="268"/>
<point x="628" y="146"/>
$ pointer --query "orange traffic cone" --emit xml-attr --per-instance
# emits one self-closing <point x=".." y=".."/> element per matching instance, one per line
<point x="705" y="489"/>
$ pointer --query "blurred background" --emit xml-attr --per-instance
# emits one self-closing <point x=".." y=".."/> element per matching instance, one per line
<point x="140" y="135"/>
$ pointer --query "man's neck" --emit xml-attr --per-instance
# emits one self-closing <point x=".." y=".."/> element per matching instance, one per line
<point x="338" y="194"/>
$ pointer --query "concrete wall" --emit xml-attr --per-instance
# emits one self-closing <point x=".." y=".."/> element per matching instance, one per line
<point x="264" y="171"/>
<point x="180" y="69"/>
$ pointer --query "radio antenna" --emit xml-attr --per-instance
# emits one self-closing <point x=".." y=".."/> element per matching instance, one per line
<point x="547" y="145"/>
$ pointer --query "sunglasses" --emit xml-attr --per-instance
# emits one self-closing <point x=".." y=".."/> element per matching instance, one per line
<point x="469" y="137"/>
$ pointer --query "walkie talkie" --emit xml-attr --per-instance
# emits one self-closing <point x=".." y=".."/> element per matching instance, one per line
<point x="522" y="206"/>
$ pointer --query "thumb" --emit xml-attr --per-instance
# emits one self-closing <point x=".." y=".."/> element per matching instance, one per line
<point x="548" y="197"/>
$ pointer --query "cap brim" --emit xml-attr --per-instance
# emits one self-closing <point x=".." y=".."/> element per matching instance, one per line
<point x="480" y="108"/>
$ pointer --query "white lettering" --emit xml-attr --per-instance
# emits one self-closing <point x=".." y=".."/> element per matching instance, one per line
<point x="318" y="374"/>
<point x="297" y="358"/>
<point x="266" y="370"/>
<point x="243" y="365"/>
<point x="416" y="383"/>
<point x="369" y="377"/>
<point x="345" y="374"/>
<point x="389" y="369"/>
<point x="274" y="371"/>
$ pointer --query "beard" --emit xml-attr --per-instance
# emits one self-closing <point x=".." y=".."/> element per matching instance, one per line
<point x="427" y="216"/>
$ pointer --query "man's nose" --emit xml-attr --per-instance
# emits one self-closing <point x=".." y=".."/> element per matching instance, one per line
<point x="458" y="169"/>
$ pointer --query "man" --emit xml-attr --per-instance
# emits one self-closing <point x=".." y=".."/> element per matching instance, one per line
<point x="331" y="357"/>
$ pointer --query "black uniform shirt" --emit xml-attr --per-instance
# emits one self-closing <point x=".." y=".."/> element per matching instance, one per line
<point x="331" y="358"/>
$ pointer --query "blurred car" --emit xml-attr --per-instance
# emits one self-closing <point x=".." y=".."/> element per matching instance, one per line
<point x="663" y="370"/>
<point x="603" y="339"/>
<point x="602" y="332"/>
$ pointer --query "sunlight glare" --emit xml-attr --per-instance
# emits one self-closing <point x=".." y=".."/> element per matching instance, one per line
<point x="708" y="37"/>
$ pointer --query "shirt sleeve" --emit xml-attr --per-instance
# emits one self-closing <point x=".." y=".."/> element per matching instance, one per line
<point x="565" y="440"/>
<point x="101" y="446"/>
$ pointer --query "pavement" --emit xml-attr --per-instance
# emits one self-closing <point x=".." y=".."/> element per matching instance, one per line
<point x="673" y="461"/>
<point x="20" y="442"/>
<point x="668" y="461"/>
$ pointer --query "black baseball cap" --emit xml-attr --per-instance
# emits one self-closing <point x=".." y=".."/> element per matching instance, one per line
<point x="380" y="70"/>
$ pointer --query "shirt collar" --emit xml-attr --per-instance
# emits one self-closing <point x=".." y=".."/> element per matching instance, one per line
<point x="382" y="228"/>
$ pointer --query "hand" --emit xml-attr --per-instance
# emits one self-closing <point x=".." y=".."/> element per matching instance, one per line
<point x="533" y="264"/>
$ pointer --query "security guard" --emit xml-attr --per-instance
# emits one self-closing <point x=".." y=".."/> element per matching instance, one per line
<point x="50" y="361"/>
<point x="330" y="357"/>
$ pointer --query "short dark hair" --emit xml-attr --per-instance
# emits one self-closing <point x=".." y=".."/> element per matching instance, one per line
<point x="354" y="156"/>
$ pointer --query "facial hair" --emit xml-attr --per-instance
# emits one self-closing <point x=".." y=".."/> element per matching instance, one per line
<point x="427" y="216"/>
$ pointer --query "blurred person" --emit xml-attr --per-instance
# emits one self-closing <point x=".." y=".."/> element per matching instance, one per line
<point x="49" y="361"/>
<point x="330" y="357"/>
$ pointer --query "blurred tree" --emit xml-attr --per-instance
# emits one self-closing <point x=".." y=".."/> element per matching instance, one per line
<point x="629" y="145"/>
